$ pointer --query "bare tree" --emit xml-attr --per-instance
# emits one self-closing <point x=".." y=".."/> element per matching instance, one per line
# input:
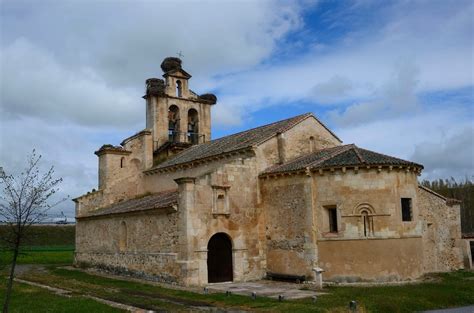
<point x="24" y="201"/>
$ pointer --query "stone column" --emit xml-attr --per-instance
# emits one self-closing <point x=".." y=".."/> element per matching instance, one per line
<point x="185" y="207"/>
<point x="186" y="258"/>
<point x="281" y="142"/>
<point x="183" y="124"/>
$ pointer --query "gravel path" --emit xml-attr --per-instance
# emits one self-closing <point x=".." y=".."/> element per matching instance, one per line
<point x="465" y="309"/>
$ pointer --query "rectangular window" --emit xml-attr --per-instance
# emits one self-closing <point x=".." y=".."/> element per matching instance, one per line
<point x="220" y="203"/>
<point x="332" y="213"/>
<point x="406" y="210"/>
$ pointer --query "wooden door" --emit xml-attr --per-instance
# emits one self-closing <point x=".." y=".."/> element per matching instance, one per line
<point x="219" y="259"/>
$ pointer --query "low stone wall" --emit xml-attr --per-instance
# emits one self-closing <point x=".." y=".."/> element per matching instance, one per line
<point x="162" y="267"/>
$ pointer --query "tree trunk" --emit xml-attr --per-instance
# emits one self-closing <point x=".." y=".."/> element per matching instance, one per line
<point x="12" y="275"/>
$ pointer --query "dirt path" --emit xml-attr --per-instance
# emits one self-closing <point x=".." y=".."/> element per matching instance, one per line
<point x="187" y="305"/>
<point x="67" y="293"/>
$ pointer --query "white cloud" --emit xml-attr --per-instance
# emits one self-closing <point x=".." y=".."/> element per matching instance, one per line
<point x="334" y="88"/>
<point x="435" y="40"/>
<point x="440" y="139"/>
<point x="66" y="147"/>
<point x="73" y="72"/>
<point x="126" y="41"/>
<point x="449" y="156"/>
<point x="34" y="84"/>
<point x="397" y="96"/>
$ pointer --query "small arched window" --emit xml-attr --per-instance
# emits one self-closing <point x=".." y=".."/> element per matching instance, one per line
<point x="122" y="162"/>
<point x="123" y="237"/>
<point x="367" y="223"/>
<point x="193" y="126"/>
<point x="179" y="89"/>
<point x="311" y="144"/>
<point x="173" y="123"/>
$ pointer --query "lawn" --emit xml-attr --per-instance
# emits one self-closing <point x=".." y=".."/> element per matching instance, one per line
<point x="444" y="290"/>
<point x="52" y="247"/>
<point x="26" y="299"/>
<point x="44" y="245"/>
<point x="47" y="235"/>
<point x="40" y="255"/>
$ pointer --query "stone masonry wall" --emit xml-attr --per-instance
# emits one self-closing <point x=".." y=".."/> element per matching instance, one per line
<point x="148" y="232"/>
<point x="239" y="216"/>
<point x="290" y="245"/>
<point x="137" y="243"/>
<point x="441" y="233"/>
<point x="383" y="247"/>
<point x="297" y="141"/>
<point x="161" y="267"/>
<point x="378" y="260"/>
<point x="120" y="174"/>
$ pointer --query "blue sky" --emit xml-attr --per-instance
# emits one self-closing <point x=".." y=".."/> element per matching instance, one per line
<point x="396" y="77"/>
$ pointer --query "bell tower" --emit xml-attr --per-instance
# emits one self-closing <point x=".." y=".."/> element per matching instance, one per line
<point x="177" y="117"/>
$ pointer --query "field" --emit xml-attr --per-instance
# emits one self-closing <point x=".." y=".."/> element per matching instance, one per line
<point x="44" y="245"/>
<point x="49" y="255"/>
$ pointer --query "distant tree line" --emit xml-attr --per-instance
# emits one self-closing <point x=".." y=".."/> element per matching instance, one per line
<point x="460" y="190"/>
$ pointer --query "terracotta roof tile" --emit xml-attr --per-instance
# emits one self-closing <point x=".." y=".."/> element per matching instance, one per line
<point x="234" y="142"/>
<point x="161" y="200"/>
<point x="346" y="155"/>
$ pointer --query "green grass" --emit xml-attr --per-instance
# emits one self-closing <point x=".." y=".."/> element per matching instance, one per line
<point x="45" y="235"/>
<point x="26" y="299"/>
<point x="40" y="255"/>
<point x="54" y="245"/>
<point x="451" y="289"/>
<point x="44" y="244"/>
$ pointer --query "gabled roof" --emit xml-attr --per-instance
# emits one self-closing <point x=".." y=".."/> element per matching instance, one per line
<point x="235" y="142"/>
<point x="161" y="200"/>
<point x="175" y="71"/>
<point x="339" y="156"/>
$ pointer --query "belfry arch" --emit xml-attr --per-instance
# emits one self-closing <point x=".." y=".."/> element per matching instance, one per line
<point x="173" y="123"/>
<point x="193" y="126"/>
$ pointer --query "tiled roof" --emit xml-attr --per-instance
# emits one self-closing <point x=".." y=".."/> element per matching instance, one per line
<point x="161" y="200"/>
<point x="346" y="155"/>
<point x="234" y="142"/>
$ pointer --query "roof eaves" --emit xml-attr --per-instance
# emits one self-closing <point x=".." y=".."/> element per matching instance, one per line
<point x="285" y="172"/>
<point x="395" y="158"/>
<point x="164" y="208"/>
<point x="170" y="197"/>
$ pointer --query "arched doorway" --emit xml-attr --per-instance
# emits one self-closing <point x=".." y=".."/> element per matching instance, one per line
<point x="219" y="259"/>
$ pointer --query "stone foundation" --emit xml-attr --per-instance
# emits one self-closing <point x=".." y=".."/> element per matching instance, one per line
<point x="162" y="267"/>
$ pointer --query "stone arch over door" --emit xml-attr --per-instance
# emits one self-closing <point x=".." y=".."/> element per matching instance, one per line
<point x="219" y="259"/>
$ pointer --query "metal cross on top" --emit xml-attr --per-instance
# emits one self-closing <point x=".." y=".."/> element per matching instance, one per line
<point x="180" y="54"/>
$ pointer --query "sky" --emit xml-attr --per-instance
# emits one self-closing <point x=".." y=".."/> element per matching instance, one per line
<point x="396" y="77"/>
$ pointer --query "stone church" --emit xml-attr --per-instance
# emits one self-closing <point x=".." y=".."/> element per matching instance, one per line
<point x="278" y="200"/>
